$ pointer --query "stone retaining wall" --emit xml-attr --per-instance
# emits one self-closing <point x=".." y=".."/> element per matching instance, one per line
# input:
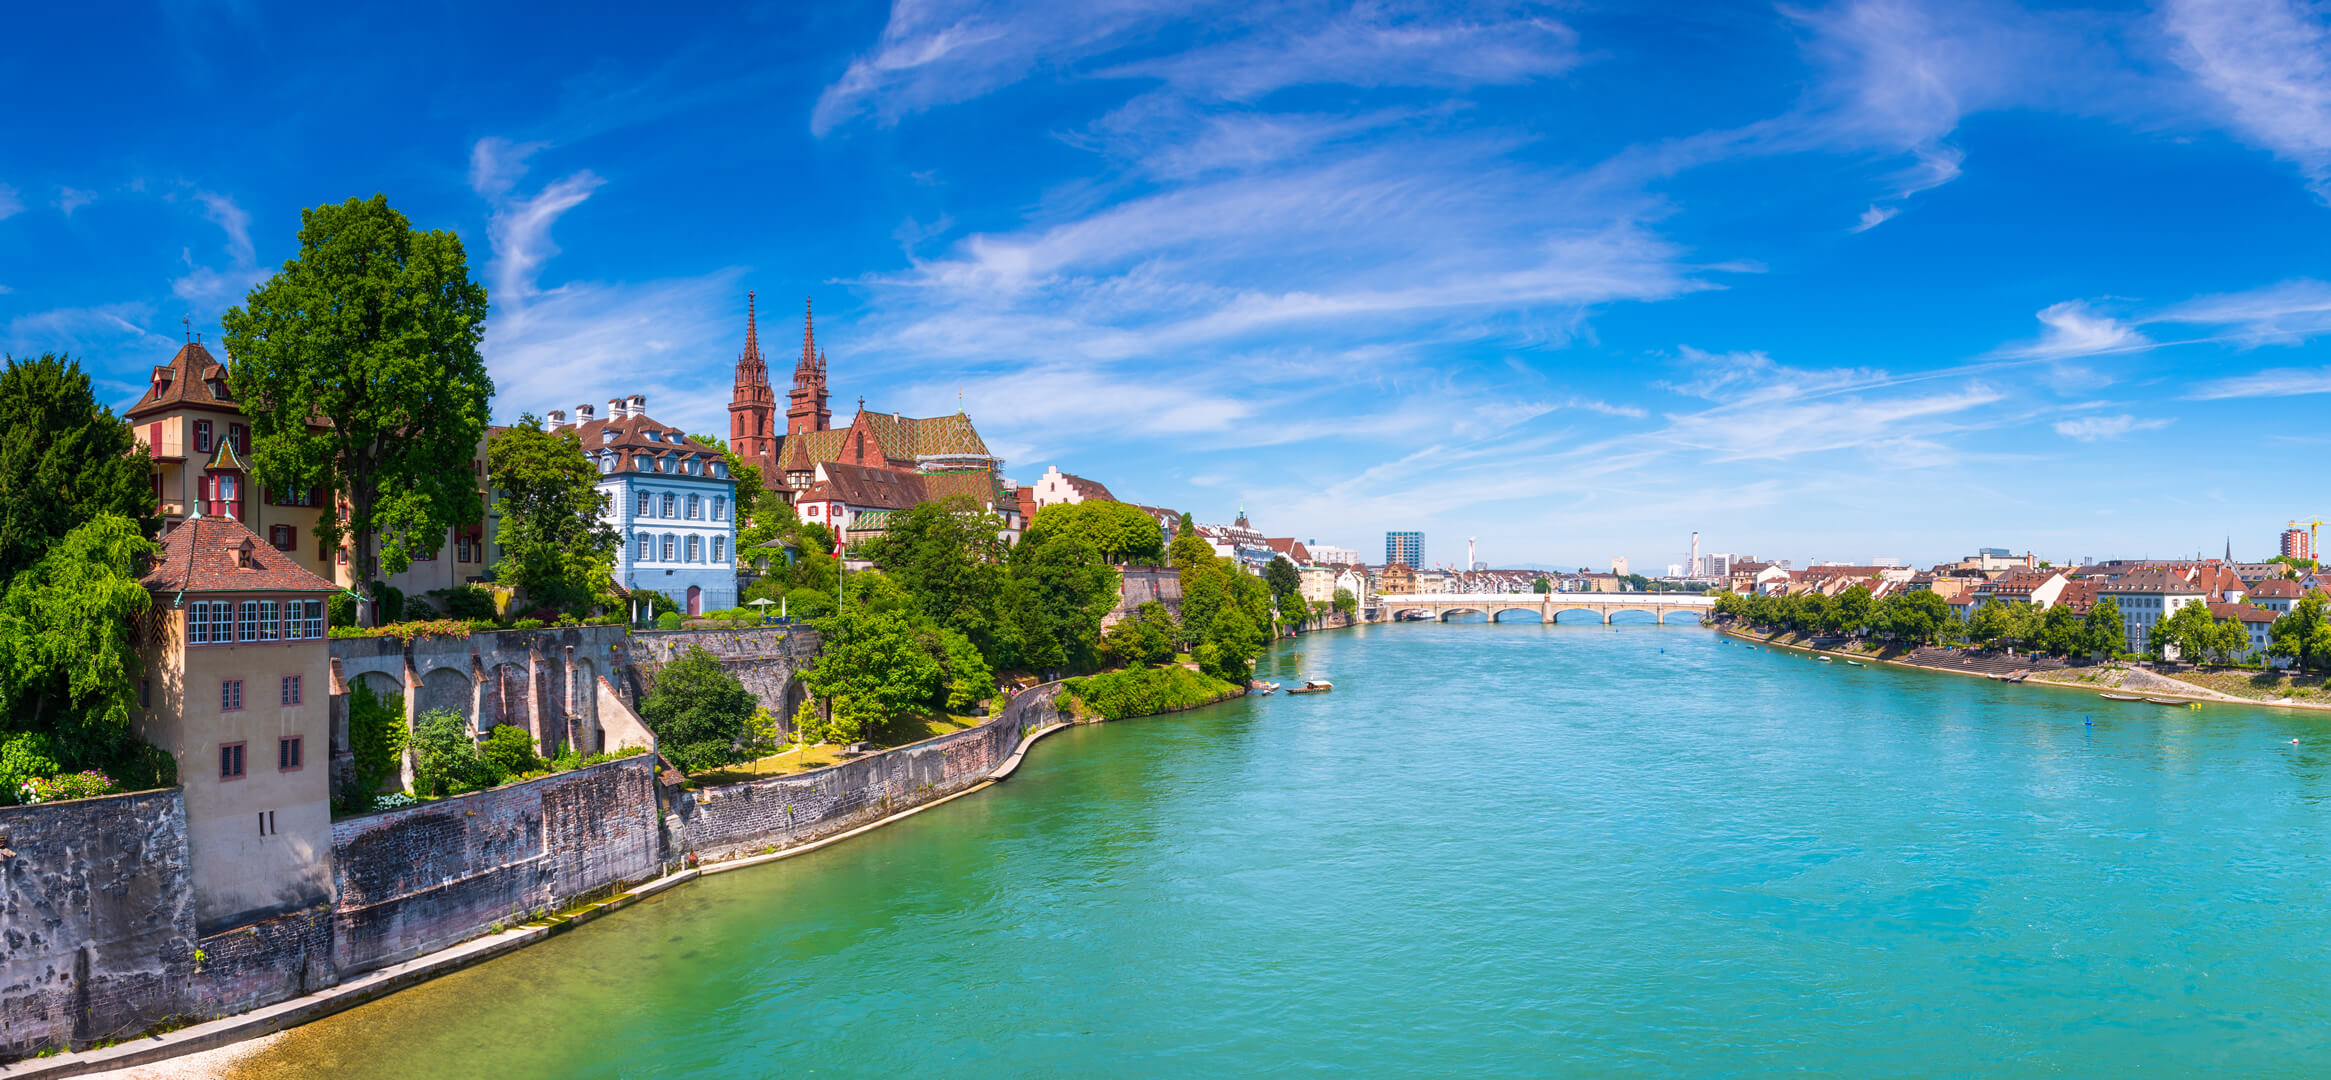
<point x="738" y="819"/>
<point x="418" y="879"/>
<point x="96" y="919"/>
<point x="769" y="661"/>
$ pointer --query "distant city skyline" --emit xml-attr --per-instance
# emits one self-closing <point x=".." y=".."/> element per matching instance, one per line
<point x="1871" y="276"/>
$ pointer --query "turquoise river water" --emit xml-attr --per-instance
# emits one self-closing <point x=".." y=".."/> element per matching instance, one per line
<point x="1494" y="850"/>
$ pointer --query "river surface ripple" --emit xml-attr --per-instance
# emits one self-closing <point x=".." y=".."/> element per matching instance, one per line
<point x="1495" y="850"/>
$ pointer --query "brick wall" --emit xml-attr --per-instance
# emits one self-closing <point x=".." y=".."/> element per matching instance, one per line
<point x="739" y="819"/>
<point x="425" y="877"/>
<point x="96" y="919"/>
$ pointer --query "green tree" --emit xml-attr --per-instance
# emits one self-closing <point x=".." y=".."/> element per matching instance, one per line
<point x="1058" y="593"/>
<point x="2187" y="634"/>
<point x="2229" y="639"/>
<point x="1989" y="624"/>
<point x="1345" y="603"/>
<point x="445" y="755"/>
<point x="67" y="656"/>
<point x="873" y="672"/>
<point x="358" y="365"/>
<point x="2061" y="632"/>
<point x="1146" y="638"/>
<point x="555" y="541"/>
<point x="376" y="740"/>
<point x="1120" y="532"/>
<point x="947" y="558"/>
<point x="509" y="751"/>
<point x="699" y="711"/>
<point x="1852" y="612"/>
<point x="65" y="460"/>
<point x="2303" y="634"/>
<point x="2103" y="632"/>
<point x="1543" y="585"/>
<point x="968" y="678"/>
<point x="1286" y="586"/>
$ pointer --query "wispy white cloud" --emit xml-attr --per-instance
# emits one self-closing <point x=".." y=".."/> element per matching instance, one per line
<point x="80" y="331"/>
<point x="2284" y="313"/>
<point x="213" y="285"/>
<point x="556" y="346"/>
<point x="2269" y="64"/>
<point x="1875" y="216"/>
<point x="70" y="199"/>
<point x="10" y="203"/>
<point x="2274" y="383"/>
<point x="1763" y="410"/>
<point x="2093" y="428"/>
<point x="2071" y="329"/>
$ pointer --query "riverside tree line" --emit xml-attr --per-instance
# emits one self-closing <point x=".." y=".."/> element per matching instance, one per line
<point x="2303" y="635"/>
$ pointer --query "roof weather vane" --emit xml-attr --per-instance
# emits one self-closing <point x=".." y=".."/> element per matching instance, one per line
<point x="187" y="321"/>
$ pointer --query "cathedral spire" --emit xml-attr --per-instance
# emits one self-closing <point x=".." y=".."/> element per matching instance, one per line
<point x="807" y="411"/>
<point x="753" y="404"/>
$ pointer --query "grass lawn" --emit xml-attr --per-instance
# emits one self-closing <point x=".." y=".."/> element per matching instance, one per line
<point x="817" y="757"/>
<point x="2256" y="685"/>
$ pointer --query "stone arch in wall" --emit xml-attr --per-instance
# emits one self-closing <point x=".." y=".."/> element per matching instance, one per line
<point x="585" y="679"/>
<point x="551" y="683"/>
<point x="506" y="698"/>
<point x="1517" y="614"/>
<point x="447" y="688"/>
<point x="387" y="686"/>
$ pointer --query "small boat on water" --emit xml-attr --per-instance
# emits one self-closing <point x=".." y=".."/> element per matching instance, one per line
<point x="1314" y="686"/>
<point x="1262" y="687"/>
<point x="1825" y="660"/>
<point x="2121" y="697"/>
<point x="1857" y="663"/>
<point x="2167" y="701"/>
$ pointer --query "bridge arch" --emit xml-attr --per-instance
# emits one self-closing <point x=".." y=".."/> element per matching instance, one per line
<point x="1447" y="612"/>
<point x="1690" y="615"/>
<point x="1536" y="613"/>
<point x="1577" y="609"/>
<point x="1609" y="613"/>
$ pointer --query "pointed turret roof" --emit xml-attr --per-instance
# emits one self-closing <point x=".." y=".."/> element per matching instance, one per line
<point x="752" y="372"/>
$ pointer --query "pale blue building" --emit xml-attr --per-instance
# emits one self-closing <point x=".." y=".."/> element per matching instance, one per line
<point x="672" y="500"/>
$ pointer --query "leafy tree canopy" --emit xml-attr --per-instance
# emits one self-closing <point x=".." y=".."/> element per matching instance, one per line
<point x="1120" y="532"/>
<point x="358" y="365"/>
<point x="555" y="541"/>
<point x="65" y="460"/>
<point x="698" y="711"/>
<point x="946" y="558"/>
<point x="66" y="655"/>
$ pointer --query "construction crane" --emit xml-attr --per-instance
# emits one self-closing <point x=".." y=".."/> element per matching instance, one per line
<point x="2314" y="550"/>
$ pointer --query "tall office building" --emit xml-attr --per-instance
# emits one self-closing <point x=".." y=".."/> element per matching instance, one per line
<point x="2296" y="544"/>
<point x="1404" y="547"/>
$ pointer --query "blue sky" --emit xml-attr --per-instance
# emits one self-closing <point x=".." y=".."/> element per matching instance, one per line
<point x="1817" y="280"/>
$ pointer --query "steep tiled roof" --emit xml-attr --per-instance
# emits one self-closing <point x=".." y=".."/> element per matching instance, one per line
<point x="2151" y="580"/>
<point x="2242" y="612"/>
<point x="631" y="439"/>
<point x="2079" y="595"/>
<point x="204" y="554"/>
<point x="1092" y="490"/>
<point x="2276" y="589"/>
<point x="866" y="487"/>
<point x="937" y="436"/>
<point x="979" y="485"/>
<point x="186" y="380"/>
<point x="803" y="452"/>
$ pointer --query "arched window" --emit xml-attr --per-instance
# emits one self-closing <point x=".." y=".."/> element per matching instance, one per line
<point x="695" y="549"/>
<point x="719" y="548"/>
<point x="671" y="503"/>
<point x="646" y="547"/>
<point x="720" y="508"/>
<point x="647" y="505"/>
<point x="695" y="507"/>
<point x="671" y="547"/>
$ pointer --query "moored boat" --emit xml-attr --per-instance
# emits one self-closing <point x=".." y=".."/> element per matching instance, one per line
<point x="2167" y="701"/>
<point x="1313" y="686"/>
<point x="2121" y="697"/>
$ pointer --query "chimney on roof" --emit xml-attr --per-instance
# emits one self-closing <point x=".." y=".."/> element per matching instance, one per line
<point x="614" y="408"/>
<point x="557" y="419"/>
<point x="585" y="413"/>
<point x="636" y="406"/>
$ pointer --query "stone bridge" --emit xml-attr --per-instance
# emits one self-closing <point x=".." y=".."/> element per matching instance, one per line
<point x="1546" y="606"/>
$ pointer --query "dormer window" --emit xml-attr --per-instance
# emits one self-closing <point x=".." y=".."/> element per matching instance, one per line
<point x="243" y="559"/>
<point x="640" y="462"/>
<point x="607" y="435"/>
<point x="720" y="469"/>
<point x="655" y="436"/>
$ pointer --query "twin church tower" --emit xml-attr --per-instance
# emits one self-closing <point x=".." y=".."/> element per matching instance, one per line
<point x="928" y="448"/>
<point x="752" y="407"/>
